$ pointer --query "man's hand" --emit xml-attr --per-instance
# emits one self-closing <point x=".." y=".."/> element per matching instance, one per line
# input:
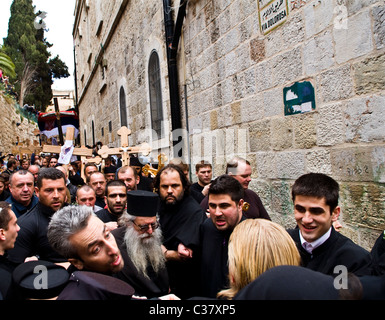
<point x="184" y="252"/>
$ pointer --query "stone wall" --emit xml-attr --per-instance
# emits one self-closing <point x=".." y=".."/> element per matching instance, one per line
<point x="238" y="77"/>
<point x="235" y="76"/>
<point x="14" y="127"/>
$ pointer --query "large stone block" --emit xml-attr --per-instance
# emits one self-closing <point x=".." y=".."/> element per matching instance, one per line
<point x="318" y="160"/>
<point x="305" y="135"/>
<point x="257" y="50"/>
<point x="318" y="16"/>
<point x="379" y="26"/>
<point x="290" y="164"/>
<point x="281" y="202"/>
<point x="378" y="163"/>
<point x="335" y="84"/>
<point x="318" y="53"/>
<point x="273" y="102"/>
<point x="252" y="108"/>
<point x="355" y="40"/>
<point x="365" y="119"/>
<point x="330" y="125"/>
<point x="369" y="74"/>
<point x="287" y="67"/>
<point x="259" y="133"/>
<point x="363" y="204"/>
<point x="281" y="133"/>
<point x="352" y="164"/>
<point x="265" y="165"/>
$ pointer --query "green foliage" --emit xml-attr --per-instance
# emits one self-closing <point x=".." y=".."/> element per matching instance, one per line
<point x="28" y="49"/>
<point x="7" y="65"/>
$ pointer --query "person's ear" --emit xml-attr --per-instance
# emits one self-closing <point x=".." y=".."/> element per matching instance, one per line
<point x="2" y="234"/>
<point x="336" y="213"/>
<point x="77" y="263"/>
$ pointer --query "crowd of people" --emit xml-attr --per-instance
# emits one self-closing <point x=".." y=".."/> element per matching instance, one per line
<point x="111" y="232"/>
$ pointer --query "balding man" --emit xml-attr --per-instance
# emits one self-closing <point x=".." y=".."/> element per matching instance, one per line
<point x="21" y="187"/>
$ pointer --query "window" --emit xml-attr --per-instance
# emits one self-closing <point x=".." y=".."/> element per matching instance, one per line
<point x="156" y="107"/>
<point x="123" y="108"/>
<point x="93" y="133"/>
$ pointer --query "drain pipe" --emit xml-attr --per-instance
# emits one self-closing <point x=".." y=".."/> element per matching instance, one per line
<point x="172" y="41"/>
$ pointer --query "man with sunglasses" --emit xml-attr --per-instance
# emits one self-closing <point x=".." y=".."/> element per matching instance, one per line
<point x="140" y="242"/>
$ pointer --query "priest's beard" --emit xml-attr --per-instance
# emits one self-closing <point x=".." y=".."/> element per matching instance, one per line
<point x="145" y="252"/>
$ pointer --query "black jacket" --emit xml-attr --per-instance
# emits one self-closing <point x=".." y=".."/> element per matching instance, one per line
<point x="32" y="238"/>
<point x="337" y="250"/>
<point x="155" y="286"/>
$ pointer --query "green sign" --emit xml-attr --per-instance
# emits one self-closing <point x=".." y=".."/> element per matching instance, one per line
<point x="299" y="98"/>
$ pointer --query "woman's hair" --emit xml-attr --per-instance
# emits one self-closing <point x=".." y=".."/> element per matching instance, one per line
<point x="255" y="246"/>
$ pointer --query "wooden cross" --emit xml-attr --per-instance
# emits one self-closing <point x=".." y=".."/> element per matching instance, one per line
<point x="26" y="150"/>
<point x="124" y="149"/>
<point x="70" y="136"/>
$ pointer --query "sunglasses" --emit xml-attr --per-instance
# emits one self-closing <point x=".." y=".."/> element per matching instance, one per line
<point x="145" y="227"/>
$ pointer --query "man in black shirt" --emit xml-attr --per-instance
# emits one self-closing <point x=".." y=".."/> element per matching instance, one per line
<point x="225" y="202"/>
<point x="116" y="200"/>
<point x="180" y="219"/>
<point x="204" y="172"/>
<point x="32" y="239"/>
<point x="8" y="233"/>
<point x="315" y="198"/>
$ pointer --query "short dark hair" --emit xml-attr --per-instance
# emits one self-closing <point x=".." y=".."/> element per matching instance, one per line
<point x="89" y="164"/>
<point x="202" y="164"/>
<point x="114" y="183"/>
<point x="5" y="216"/>
<point x="317" y="185"/>
<point x="226" y="184"/>
<point x="11" y="163"/>
<point x="173" y="167"/>
<point x="49" y="174"/>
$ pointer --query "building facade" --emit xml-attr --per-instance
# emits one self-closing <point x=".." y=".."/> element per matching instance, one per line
<point x="294" y="86"/>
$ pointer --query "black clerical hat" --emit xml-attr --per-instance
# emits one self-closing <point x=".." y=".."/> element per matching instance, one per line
<point x="110" y="169"/>
<point x="85" y="285"/>
<point x="290" y="283"/>
<point x="142" y="203"/>
<point x="134" y="161"/>
<point x="40" y="279"/>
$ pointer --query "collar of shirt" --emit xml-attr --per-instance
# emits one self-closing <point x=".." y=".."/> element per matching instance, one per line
<point x="310" y="246"/>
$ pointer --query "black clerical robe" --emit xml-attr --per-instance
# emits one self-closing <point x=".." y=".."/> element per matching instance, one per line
<point x="6" y="269"/>
<point x="180" y="224"/>
<point x="213" y="254"/>
<point x="155" y="286"/>
<point x="378" y="255"/>
<point x="32" y="238"/>
<point x="337" y="250"/>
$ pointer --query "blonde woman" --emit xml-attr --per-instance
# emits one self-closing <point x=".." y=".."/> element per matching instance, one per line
<point x="255" y="246"/>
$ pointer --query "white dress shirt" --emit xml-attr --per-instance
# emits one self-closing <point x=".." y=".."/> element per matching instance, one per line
<point x="310" y="246"/>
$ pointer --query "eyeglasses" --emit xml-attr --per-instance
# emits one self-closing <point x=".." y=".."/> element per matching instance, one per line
<point x="145" y="227"/>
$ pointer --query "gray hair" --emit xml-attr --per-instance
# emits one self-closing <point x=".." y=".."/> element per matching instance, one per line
<point x="65" y="223"/>
<point x="125" y="219"/>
